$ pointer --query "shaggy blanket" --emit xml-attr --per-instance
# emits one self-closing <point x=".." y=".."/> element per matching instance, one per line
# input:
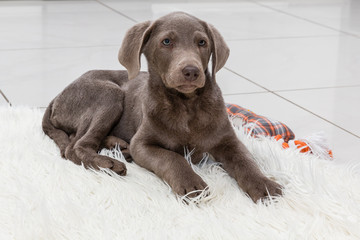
<point x="45" y="197"/>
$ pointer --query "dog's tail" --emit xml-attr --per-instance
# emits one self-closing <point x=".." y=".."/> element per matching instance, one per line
<point x="60" y="137"/>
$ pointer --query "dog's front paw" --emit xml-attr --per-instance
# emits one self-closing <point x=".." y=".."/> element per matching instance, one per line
<point x="262" y="188"/>
<point x="119" y="168"/>
<point x="107" y="162"/>
<point x="191" y="186"/>
<point x="111" y="141"/>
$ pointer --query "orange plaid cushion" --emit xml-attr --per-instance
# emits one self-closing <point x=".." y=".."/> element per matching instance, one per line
<point x="259" y="125"/>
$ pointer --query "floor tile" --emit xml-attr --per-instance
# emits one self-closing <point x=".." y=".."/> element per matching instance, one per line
<point x="231" y="83"/>
<point x="338" y="105"/>
<point x="343" y="15"/>
<point x="302" y="123"/>
<point x="34" y="77"/>
<point x="281" y="64"/>
<point x="236" y="20"/>
<point x="45" y="24"/>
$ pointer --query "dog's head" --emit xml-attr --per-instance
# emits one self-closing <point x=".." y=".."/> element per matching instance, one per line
<point x="178" y="48"/>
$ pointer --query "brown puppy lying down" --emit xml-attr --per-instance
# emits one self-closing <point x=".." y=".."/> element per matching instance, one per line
<point x="176" y="104"/>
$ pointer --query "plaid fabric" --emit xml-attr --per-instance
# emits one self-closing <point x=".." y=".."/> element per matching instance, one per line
<point x="259" y="125"/>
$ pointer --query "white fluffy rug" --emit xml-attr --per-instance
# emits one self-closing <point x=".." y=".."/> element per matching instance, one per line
<point x="43" y="196"/>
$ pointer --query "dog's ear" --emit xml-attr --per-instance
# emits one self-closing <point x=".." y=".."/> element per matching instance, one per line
<point x="219" y="49"/>
<point x="130" y="51"/>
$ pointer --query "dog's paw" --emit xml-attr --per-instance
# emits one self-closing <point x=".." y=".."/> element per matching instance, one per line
<point x="127" y="155"/>
<point x="111" y="141"/>
<point x="263" y="188"/>
<point x="119" y="168"/>
<point x="107" y="162"/>
<point x="189" y="186"/>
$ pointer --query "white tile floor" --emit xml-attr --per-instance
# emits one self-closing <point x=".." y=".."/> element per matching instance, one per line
<point x="292" y="60"/>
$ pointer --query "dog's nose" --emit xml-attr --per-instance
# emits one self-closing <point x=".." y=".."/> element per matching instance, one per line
<point x="191" y="73"/>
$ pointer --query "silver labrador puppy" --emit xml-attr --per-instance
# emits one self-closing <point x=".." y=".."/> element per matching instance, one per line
<point x="177" y="103"/>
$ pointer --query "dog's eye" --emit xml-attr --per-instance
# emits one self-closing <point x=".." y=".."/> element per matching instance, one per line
<point x="166" y="42"/>
<point x="202" y="43"/>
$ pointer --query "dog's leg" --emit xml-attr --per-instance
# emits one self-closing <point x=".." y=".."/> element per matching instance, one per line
<point x="60" y="137"/>
<point x="85" y="144"/>
<point x="85" y="150"/>
<point x="111" y="141"/>
<point x="239" y="163"/>
<point x="70" y="151"/>
<point x="169" y="166"/>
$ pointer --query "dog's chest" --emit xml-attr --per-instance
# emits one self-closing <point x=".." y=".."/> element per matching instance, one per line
<point x="192" y="127"/>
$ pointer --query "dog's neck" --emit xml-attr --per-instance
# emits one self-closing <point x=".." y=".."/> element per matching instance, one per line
<point x="182" y="114"/>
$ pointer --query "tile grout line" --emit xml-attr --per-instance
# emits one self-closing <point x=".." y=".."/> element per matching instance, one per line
<point x="230" y="70"/>
<point x="305" y="109"/>
<point x="116" y="45"/>
<point x="305" y="19"/>
<point x="299" y="106"/>
<point x="116" y="11"/>
<point x="244" y="93"/>
<point x="54" y="48"/>
<point x="293" y="90"/>
<point x="6" y="99"/>
<point x="317" y="88"/>
<point x="285" y="37"/>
